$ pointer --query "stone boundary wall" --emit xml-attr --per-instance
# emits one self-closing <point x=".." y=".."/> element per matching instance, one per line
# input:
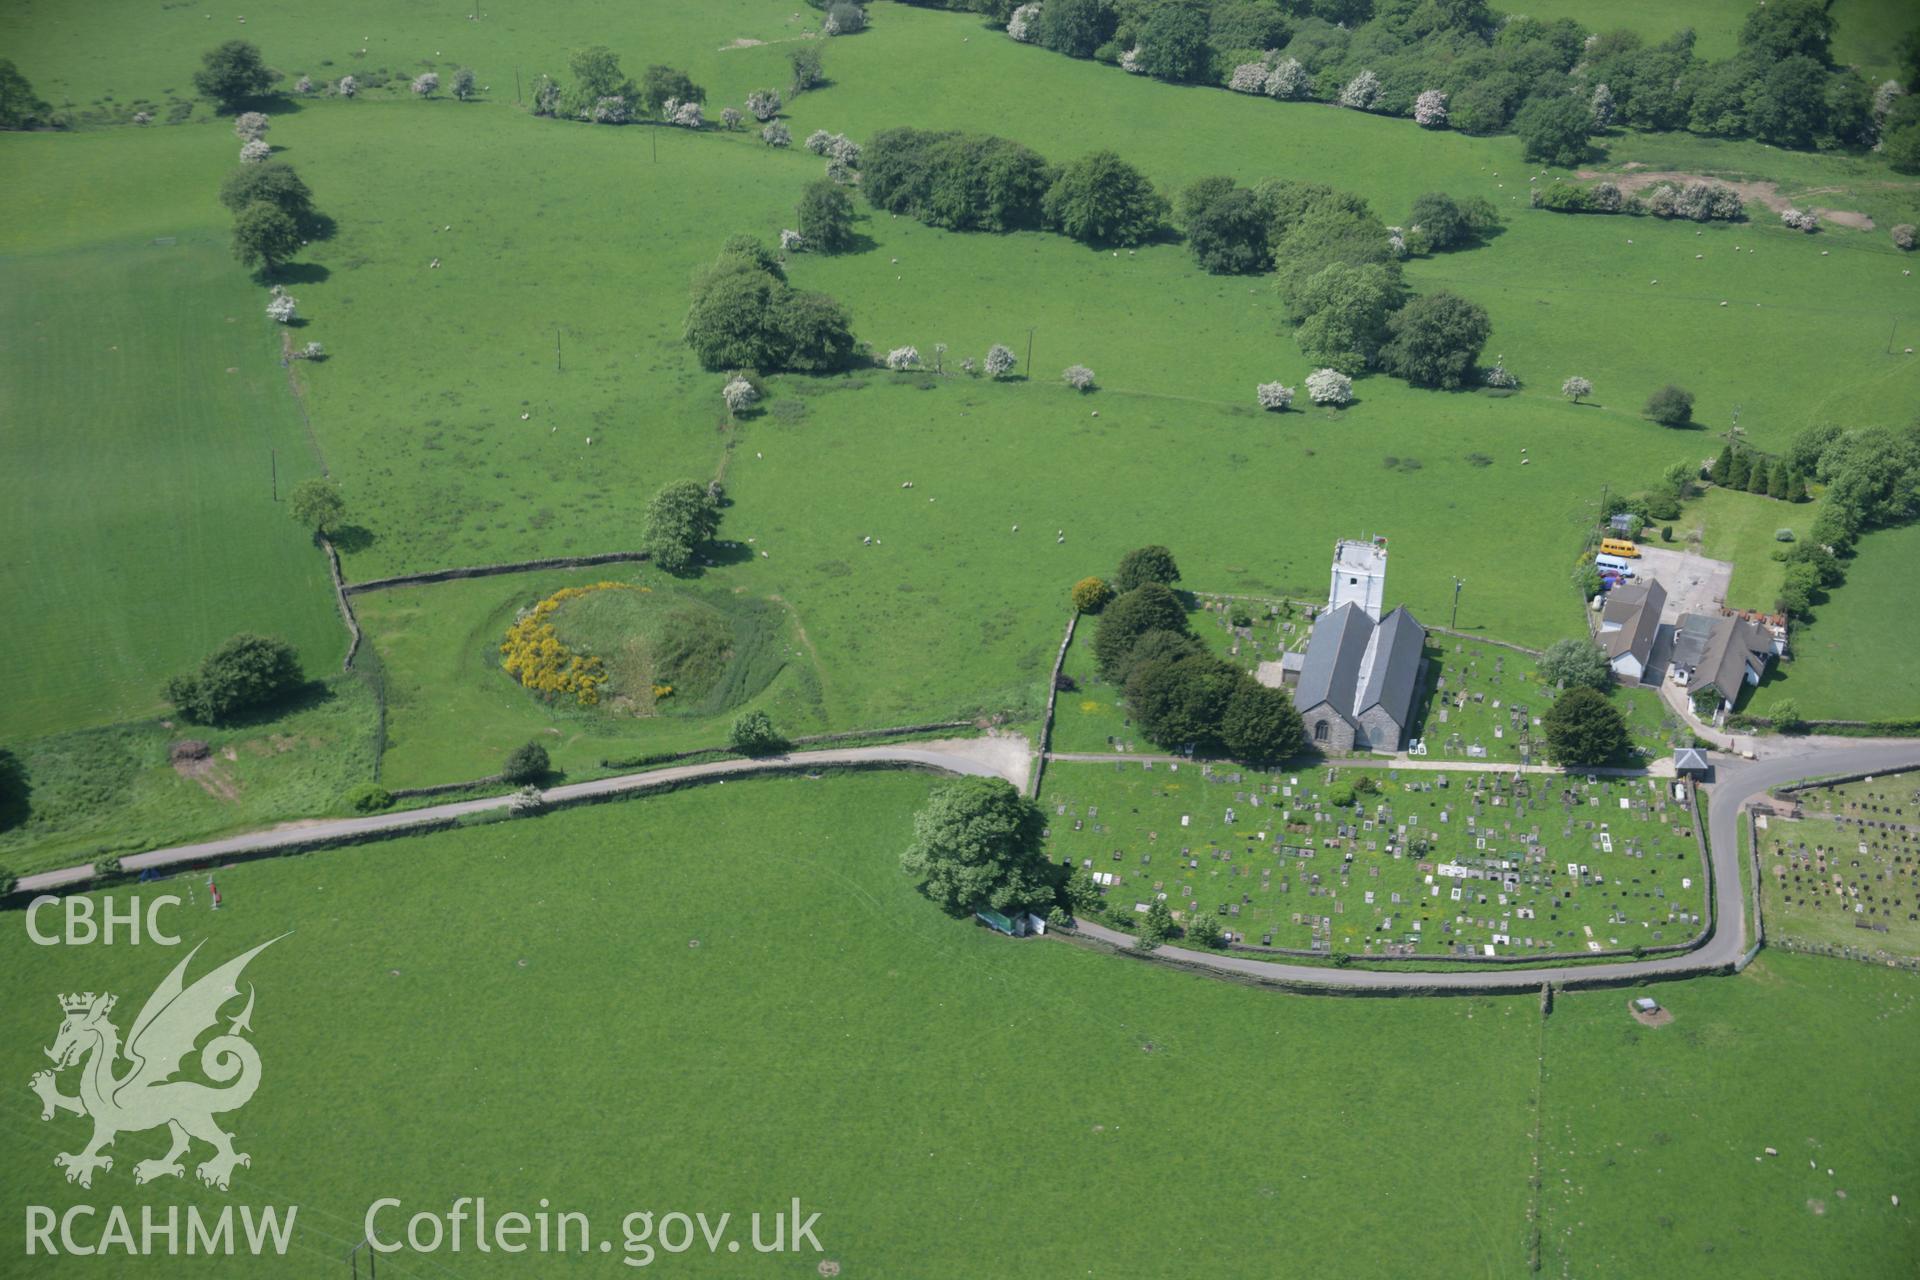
<point x="340" y="590"/>
<point x="1053" y="693"/>
<point x="811" y="740"/>
<point x="1842" y="780"/>
<point x="1494" y="983"/>
<point x="493" y="570"/>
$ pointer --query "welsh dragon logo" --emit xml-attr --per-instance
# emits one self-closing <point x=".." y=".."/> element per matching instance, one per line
<point x="146" y="1095"/>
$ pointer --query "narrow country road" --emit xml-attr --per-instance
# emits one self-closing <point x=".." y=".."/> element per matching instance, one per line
<point x="997" y="757"/>
<point x="1736" y="782"/>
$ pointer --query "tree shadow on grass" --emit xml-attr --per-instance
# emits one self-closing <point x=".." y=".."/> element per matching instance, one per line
<point x="723" y="554"/>
<point x="318" y="226"/>
<point x="16" y="792"/>
<point x="300" y="273"/>
<point x="858" y="242"/>
<point x="351" y="538"/>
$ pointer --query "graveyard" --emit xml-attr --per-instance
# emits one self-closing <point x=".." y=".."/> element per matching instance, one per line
<point x="1843" y="878"/>
<point x="1417" y="863"/>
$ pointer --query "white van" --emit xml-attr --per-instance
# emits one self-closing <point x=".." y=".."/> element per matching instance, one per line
<point x="1614" y="564"/>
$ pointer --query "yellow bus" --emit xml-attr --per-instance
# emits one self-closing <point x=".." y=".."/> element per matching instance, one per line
<point x="1619" y="547"/>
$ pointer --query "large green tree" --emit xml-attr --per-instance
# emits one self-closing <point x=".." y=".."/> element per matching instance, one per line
<point x="274" y="183"/>
<point x="233" y="74"/>
<point x="977" y="844"/>
<point x="1181" y="703"/>
<point x="1435" y="340"/>
<point x="1344" y="309"/>
<point x="316" y="505"/>
<point x="1102" y="200"/>
<point x="1146" y="564"/>
<point x="596" y="74"/>
<point x="1173" y="42"/>
<point x="658" y="83"/>
<point x="1075" y="27"/>
<point x="1584" y="729"/>
<point x="1131" y="615"/>
<point x="246" y="673"/>
<point x="264" y="237"/>
<point x="1579" y="663"/>
<point x="679" y="518"/>
<point x="826" y="216"/>
<point x="1260" y="725"/>
<point x="1554" y="130"/>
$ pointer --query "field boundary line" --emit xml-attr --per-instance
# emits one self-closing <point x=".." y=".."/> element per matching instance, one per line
<point x="1046" y="722"/>
<point x="427" y="577"/>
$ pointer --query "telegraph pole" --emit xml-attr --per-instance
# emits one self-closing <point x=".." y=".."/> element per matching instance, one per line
<point x="275" y="464"/>
<point x="1454" y="624"/>
<point x="1029" y="351"/>
<point x="556" y="352"/>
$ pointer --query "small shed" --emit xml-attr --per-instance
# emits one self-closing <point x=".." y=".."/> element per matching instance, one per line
<point x="1621" y="523"/>
<point x="1647" y="1004"/>
<point x="1015" y="926"/>
<point x="1691" y="760"/>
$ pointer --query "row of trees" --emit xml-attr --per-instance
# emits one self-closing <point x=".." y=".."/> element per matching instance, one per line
<point x="746" y="316"/>
<point x="273" y="213"/>
<point x="1179" y="694"/>
<point x="1696" y="201"/>
<point x="1338" y="263"/>
<point x="600" y="91"/>
<point x="1461" y="64"/>
<point x="1872" y="479"/>
<point x="1337" y="271"/>
<point x="1751" y="472"/>
<point x="978" y="182"/>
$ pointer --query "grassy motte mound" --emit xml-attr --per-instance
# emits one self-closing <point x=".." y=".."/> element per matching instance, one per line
<point x="640" y="651"/>
<point x="656" y="645"/>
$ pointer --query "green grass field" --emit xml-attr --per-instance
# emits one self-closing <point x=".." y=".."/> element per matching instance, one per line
<point x="1848" y="664"/>
<point x="453" y="713"/>
<point x="114" y="789"/>
<point x="829" y="1023"/>
<point x="1740" y="527"/>
<point x="1163" y="1121"/>
<point x="440" y="466"/>
<point x="145" y="406"/>
<point x="1654" y="1160"/>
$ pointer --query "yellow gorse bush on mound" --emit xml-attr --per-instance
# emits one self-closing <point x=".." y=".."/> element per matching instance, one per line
<point x="536" y="655"/>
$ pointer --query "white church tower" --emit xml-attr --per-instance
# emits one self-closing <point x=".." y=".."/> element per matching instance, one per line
<point x="1359" y="576"/>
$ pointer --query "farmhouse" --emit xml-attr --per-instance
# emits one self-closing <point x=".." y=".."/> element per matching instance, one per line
<point x="1720" y="654"/>
<point x="1358" y="681"/>
<point x="1629" y="624"/>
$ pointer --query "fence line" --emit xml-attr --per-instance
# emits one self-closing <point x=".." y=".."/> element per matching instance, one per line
<point x="1053" y="693"/>
<point x="492" y="570"/>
